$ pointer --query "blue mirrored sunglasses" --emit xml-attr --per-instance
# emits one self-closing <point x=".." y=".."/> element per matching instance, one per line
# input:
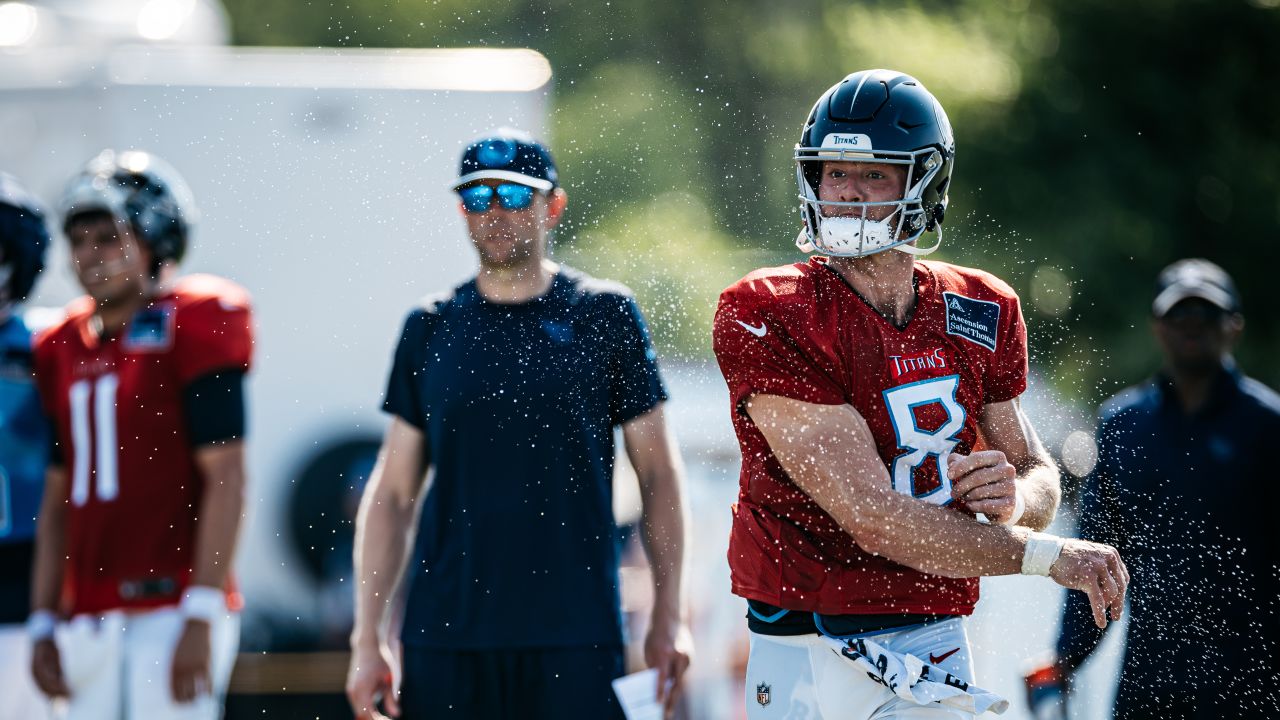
<point x="511" y="196"/>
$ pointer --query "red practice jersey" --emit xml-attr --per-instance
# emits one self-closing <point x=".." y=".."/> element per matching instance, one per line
<point x="134" y="490"/>
<point x="802" y="332"/>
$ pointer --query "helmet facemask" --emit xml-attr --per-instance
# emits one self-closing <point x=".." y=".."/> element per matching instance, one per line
<point x="859" y="235"/>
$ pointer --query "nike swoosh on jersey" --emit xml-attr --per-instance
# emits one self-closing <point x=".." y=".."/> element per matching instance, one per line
<point x="935" y="659"/>
<point x="757" y="331"/>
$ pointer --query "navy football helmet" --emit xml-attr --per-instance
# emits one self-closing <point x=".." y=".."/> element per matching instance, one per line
<point x="880" y="116"/>
<point x="23" y="240"/>
<point x="141" y="189"/>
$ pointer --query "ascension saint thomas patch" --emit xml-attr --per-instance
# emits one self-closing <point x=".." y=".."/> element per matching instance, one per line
<point x="973" y="320"/>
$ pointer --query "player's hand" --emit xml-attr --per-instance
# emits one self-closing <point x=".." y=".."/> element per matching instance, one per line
<point x="369" y="680"/>
<point x="669" y="648"/>
<point x="1097" y="571"/>
<point x="984" y="482"/>
<point x="46" y="668"/>
<point x="190" y="676"/>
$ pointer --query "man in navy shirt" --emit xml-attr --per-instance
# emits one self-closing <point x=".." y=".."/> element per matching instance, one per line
<point x="504" y="395"/>
<point x="24" y="444"/>
<point x="1185" y="488"/>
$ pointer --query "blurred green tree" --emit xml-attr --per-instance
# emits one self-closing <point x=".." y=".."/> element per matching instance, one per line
<point x="1097" y="141"/>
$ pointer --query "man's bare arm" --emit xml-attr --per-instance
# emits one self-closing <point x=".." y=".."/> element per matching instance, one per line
<point x="1007" y="429"/>
<point x="1016" y="467"/>
<point x="829" y="453"/>
<point x="221" y="467"/>
<point x="384" y="530"/>
<point x="652" y="452"/>
<point x="46" y="581"/>
<point x="383" y="525"/>
<point x="221" y="511"/>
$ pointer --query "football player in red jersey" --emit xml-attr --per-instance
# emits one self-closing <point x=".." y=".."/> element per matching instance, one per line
<point x="144" y="383"/>
<point x="875" y="399"/>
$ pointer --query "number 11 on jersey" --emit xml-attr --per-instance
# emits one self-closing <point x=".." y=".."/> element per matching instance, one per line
<point x="923" y="445"/>
<point x="100" y="395"/>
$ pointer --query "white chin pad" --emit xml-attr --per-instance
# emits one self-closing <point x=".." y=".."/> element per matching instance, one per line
<point x="855" y="236"/>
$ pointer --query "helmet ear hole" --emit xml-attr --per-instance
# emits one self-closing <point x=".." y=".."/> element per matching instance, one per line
<point x="936" y="219"/>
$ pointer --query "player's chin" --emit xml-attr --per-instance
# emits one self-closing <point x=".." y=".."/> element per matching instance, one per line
<point x="105" y="290"/>
<point x="504" y="253"/>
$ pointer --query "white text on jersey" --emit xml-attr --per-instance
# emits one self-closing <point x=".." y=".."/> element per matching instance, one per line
<point x="903" y="364"/>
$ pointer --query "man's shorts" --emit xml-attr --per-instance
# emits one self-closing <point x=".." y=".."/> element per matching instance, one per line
<point x="917" y="673"/>
<point x="531" y="684"/>
<point x="118" y="665"/>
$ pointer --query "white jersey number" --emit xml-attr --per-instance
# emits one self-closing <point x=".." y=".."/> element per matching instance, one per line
<point x="922" y="445"/>
<point x="99" y="397"/>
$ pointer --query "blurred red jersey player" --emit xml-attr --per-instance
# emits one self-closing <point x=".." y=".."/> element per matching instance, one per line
<point x="144" y="383"/>
<point x="875" y="399"/>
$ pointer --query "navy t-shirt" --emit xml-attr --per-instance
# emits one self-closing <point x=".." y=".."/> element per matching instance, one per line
<point x="516" y="546"/>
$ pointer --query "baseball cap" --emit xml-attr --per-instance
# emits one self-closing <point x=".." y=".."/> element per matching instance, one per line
<point x="508" y="154"/>
<point x="1194" y="278"/>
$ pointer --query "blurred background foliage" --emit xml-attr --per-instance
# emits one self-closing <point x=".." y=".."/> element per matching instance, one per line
<point x="1097" y="142"/>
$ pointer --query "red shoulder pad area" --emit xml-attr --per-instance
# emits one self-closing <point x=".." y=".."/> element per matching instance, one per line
<point x="769" y="340"/>
<point x="972" y="282"/>
<point x="214" y="326"/>
<point x="1007" y="341"/>
<point x="774" y="284"/>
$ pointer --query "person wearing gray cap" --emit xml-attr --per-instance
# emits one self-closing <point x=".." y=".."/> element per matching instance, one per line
<point x="504" y="394"/>
<point x="1185" y="488"/>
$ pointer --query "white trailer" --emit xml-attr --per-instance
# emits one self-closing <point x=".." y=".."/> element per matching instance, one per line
<point x="322" y="179"/>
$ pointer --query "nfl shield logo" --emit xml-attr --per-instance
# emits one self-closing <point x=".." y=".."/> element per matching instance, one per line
<point x="762" y="694"/>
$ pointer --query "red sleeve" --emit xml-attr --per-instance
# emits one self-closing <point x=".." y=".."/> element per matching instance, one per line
<point x="214" y="333"/>
<point x="762" y="348"/>
<point x="1007" y="374"/>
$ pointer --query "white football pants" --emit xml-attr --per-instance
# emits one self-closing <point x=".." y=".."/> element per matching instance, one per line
<point x="117" y="666"/>
<point x="913" y="674"/>
<point x="20" y="699"/>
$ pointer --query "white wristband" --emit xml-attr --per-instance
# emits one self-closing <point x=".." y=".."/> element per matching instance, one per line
<point x="200" y="602"/>
<point x="1020" y="506"/>
<point x="1041" y="553"/>
<point x="40" y="625"/>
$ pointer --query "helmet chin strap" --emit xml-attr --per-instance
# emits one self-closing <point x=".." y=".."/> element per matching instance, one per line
<point x="803" y="242"/>
<point x="910" y="249"/>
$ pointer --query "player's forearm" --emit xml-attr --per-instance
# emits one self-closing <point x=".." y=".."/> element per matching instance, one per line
<point x="221" y="511"/>
<point x="1041" y="490"/>
<point x="383" y="527"/>
<point x="46" y="581"/>
<point x="910" y="532"/>
<point x="652" y="451"/>
<point x="663" y="532"/>
<point x="934" y="539"/>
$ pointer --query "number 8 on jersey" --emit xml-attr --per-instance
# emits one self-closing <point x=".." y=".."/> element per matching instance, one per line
<point x="922" y="445"/>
